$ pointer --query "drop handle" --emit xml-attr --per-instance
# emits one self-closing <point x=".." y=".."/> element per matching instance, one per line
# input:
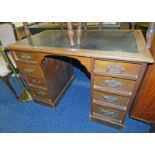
<point x="110" y="113"/>
<point x="111" y="99"/>
<point x="113" y="83"/>
<point x="28" y="70"/>
<point x="35" y="81"/>
<point x="115" y="69"/>
<point x="40" y="93"/>
<point x="24" y="56"/>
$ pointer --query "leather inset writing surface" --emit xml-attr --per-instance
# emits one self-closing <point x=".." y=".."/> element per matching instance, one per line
<point x="93" y="40"/>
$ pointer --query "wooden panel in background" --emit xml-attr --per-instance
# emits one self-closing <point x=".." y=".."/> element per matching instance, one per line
<point x="144" y="108"/>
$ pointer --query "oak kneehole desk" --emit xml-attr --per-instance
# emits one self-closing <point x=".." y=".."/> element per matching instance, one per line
<point x="116" y="61"/>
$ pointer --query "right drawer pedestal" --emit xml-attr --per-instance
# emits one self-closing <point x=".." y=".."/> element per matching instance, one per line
<point x="114" y="85"/>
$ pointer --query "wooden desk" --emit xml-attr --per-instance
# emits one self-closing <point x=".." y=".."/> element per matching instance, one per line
<point x="116" y="61"/>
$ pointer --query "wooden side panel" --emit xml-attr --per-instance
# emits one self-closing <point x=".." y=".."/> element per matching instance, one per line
<point x="144" y="108"/>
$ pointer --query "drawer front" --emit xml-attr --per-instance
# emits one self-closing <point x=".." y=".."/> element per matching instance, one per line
<point x="114" y="85"/>
<point x="36" y="81"/>
<point x="39" y="93"/>
<point x="25" y="56"/>
<point x="108" y="112"/>
<point x="30" y="69"/>
<point x="118" y="69"/>
<point x="111" y="99"/>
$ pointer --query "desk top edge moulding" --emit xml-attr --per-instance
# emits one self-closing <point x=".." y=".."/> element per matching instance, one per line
<point x="115" y="59"/>
<point x="94" y="43"/>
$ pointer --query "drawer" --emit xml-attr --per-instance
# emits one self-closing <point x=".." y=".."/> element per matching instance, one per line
<point x="25" y="56"/>
<point x="111" y="99"/>
<point x="117" y="69"/>
<point x="36" y="81"/>
<point x="114" y="85"/>
<point x="110" y="113"/>
<point x="39" y="93"/>
<point x="30" y="69"/>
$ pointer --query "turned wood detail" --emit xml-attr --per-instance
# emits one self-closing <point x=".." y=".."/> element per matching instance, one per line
<point x="100" y="25"/>
<point x="61" y="24"/>
<point x="79" y="33"/>
<point x="84" y="26"/>
<point x="133" y="24"/>
<point x="70" y="33"/>
<point x="150" y="34"/>
<point x="26" y="29"/>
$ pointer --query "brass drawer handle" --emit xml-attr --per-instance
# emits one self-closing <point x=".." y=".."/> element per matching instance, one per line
<point x="27" y="57"/>
<point x="110" y="113"/>
<point x="115" y="69"/>
<point x="36" y="81"/>
<point x="110" y="99"/>
<point x="113" y="83"/>
<point x="41" y="93"/>
<point x="107" y="112"/>
<point x="28" y="70"/>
